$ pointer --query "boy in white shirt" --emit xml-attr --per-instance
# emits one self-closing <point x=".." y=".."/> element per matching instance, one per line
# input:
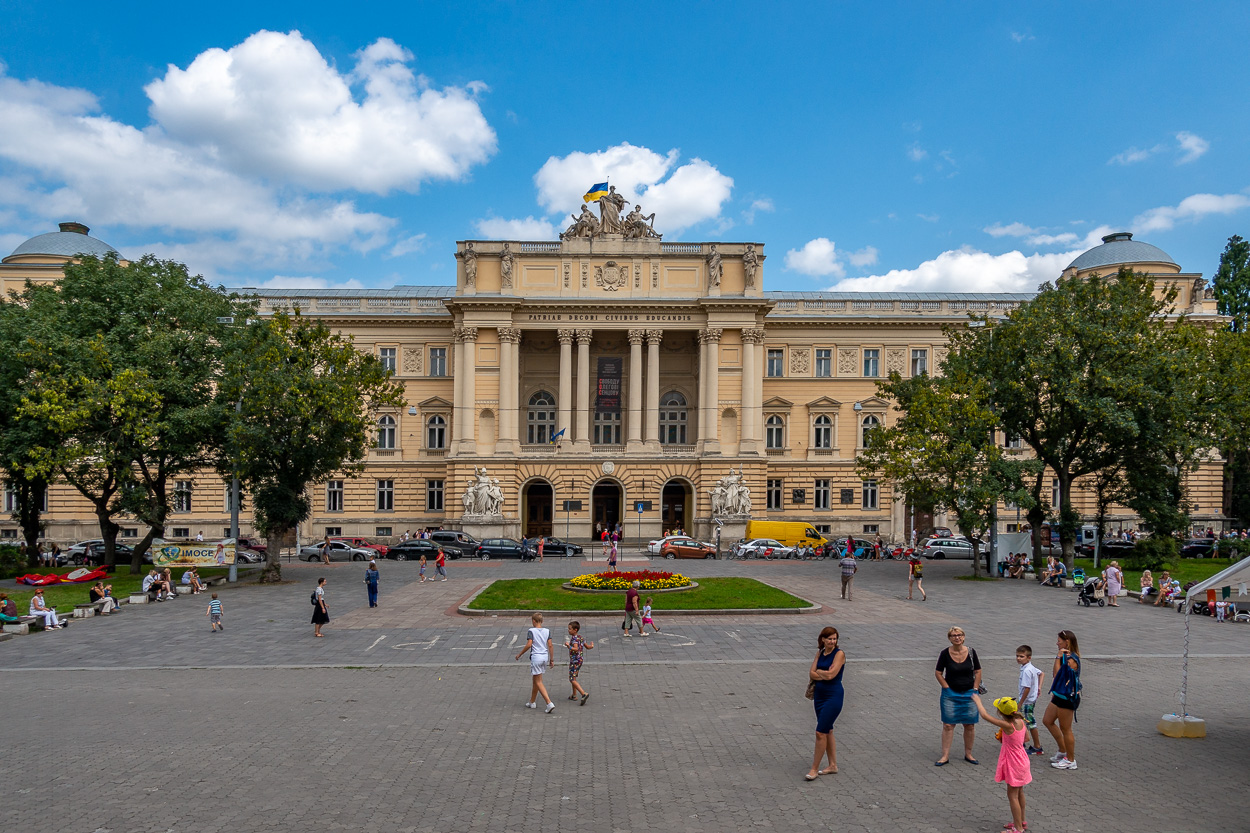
<point x="539" y="646"/>
<point x="1030" y="684"/>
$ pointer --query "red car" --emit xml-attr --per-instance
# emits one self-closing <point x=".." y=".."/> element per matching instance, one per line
<point x="687" y="548"/>
<point x="363" y="542"/>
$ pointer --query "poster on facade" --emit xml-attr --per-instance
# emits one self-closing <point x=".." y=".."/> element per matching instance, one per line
<point x="608" y="391"/>
<point x="192" y="555"/>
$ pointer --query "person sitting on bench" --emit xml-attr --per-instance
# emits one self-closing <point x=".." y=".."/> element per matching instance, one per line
<point x="191" y="579"/>
<point x="101" y="593"/>
<point x="153" y="583"/>
<point x="40" y="610"/>
<point x="8" y="611"/>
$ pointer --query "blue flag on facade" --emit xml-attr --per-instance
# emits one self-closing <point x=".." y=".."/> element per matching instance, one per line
<point x="557" y="435"/>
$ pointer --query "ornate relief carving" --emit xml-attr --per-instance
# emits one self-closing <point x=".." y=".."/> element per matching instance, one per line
<point x="655" y="275"/>
<point x="754" y="336"/>
<point x="636" y="336"/>
<point x="585" y="274"/>
<point x="510" y="335"/>
<point x="895" y="360"/>
<point x="584" y="337"/>
<point x="610" y="276"/>
<point x="711" y="335"/>
<point x="848" y="361"/>
<point x="800" y="361"/>
<point x="567" y="270"/>
<point x="637" y="276"/>
<point x="939" y="356"/>
<point x="468" y="334"/>
<point x="565" y="336"/>
<point x="655" y="336"/>
<point x="412" y="359"/>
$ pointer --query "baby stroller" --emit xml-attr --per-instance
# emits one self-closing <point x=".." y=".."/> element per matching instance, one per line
<point x="1078" y="578"/>
<point x="1092" y="591"/>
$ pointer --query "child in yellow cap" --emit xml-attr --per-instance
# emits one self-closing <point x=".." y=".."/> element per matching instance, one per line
<point x="1013" y="760"/>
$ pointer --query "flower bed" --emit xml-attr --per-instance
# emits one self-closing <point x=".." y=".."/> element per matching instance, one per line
<point x="648" y="580"/>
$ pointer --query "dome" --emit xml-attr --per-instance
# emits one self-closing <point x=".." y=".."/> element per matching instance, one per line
<point x="1120" y="248"/>
<point x="73" y="239"/>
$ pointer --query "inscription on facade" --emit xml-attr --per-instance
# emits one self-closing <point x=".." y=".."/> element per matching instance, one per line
<point x="590" y="316"/>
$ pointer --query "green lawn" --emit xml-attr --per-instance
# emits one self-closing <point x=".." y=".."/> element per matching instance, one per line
<point x="711" y="594"/>
<point x="1183" y="570"/>
<point x="63" y="597"/>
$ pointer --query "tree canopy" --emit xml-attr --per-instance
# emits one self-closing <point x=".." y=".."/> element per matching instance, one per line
<point x="1232" y="284"/>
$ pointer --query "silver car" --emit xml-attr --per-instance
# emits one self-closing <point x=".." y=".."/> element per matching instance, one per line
<point x="758" y="547"/>
<point x="339" y="551"/>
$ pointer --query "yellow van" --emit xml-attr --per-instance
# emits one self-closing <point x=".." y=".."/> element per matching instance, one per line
<point x="790" y="533"/>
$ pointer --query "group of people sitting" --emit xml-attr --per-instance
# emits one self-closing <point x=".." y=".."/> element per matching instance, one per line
<point x="159" y="586"/>
<point x="1168" y="591"/>
<point x="1054" y="573"/>
<point x="1015" y="565"/>
<point x="101" y="592"/>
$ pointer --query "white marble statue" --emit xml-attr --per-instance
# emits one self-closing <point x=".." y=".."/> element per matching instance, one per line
<point x="482" y="496"/>
<point x="731" y="496"/>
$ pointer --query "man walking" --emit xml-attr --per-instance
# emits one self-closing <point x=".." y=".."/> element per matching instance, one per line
<point x="633" y="614"/>
<point x="849" y="568"/>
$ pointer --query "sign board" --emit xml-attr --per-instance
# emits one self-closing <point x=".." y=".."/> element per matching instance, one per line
<point x="192" y="555"/>
<point x="572" y="506"/>
<point x="642" y="506"/>
<point x="848" y="495"/>
<point x="798" y="496"/>
<point x="608" y="391"/>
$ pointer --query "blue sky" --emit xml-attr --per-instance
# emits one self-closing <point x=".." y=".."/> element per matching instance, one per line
<point x="968" y="146"/>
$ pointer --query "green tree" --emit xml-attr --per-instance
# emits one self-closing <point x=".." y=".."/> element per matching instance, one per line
<point x="943" y="448"/>
<point x="1231" y="359"/>
<point x="1232" y="284"/>
<point x="18" y="434"/>
<point x="308" y="405"/>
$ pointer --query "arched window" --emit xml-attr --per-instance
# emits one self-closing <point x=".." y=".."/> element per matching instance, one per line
<point x="673" y="418"/>
<point x="436" y="432"/>
<point x="775" y="432"/>
<point x="822" y="434"/>
<point x="386" y="432"/>
<point x="867" y="427"/>
<point x="540" y="420"/>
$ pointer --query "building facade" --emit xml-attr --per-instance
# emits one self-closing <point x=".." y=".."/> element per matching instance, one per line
<point x="562" y="387"/>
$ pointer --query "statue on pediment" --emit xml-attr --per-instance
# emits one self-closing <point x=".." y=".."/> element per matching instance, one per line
<point x="638" y="227"/>
<point x="584" y="225"/>
<point x="610" y="206"/>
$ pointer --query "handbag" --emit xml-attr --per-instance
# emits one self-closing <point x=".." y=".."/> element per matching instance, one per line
<point x="811" y="690"/>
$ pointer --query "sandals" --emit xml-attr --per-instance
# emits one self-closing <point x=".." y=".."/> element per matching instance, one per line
<point x="972" y="761"/>
<point x="810" y="777"/>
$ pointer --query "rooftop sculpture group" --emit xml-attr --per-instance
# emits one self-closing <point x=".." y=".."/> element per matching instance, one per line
<point x="634" y="226"/>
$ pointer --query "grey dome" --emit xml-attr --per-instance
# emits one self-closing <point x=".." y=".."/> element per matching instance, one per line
<point x="71" y="240"/>
<point x="1121" y="248"/>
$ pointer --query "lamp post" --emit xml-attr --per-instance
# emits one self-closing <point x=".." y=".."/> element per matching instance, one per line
<point x="234" y="511"/>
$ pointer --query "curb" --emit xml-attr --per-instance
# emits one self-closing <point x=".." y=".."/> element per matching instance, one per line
<point x="813" y="607"/>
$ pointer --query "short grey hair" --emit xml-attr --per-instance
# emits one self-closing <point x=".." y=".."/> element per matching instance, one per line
<point x="637" y="584"/>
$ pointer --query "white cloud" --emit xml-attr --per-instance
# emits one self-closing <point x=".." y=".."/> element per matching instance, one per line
<point x="306" y="282"/>
<point x="1039" y="237"/>
<point x="966" y="270"/>
<point x="1012" y="230"/>
<point x="273" y="107"/>
<point x="1021" y="37"/>
<point x="866" y="256"/>
<point x="408" y="245"/>
<point x="817" y="257"/>
<point x="916" y="153"/>
<point x="531" y="228"/>
<point x="1191" y="209"/>
<point x="1134" y="155"/>
<point x="763" y="205"/>
<point x="1192" y="146"/>
<point x="929" y="218"/>
<point x="693" y="192"/>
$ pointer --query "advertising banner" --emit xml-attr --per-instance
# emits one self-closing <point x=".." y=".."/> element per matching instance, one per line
<point x="608" y="390"/>
<point x="192" y="555"/>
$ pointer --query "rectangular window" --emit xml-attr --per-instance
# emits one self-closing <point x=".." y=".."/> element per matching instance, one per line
<point x="824" y="362"/>
<point x="334" y="496"/>
<point x="434" y="496"/>
<point x="919" y="362"/>
<point x="776" y="362"/>
<point x="871" y="529"/>
<point x="130" y="532"/>
<point x="387" y="356"/>
<point x="774" y="494"/>
<point x="870" y="494"/>
<point x="386" y="495"/>
<point x="10" y="499"/>
<point x="229" y="494"/>
<point x="1012" y="442"/>
<point x="334" y="531"/>
<point x="825" y="529"/>
<point x="1013" y="527"/>
<point x="8" y="533"/>
<point x="872" y="362"/>
<point x="607" y="428"/>
<point x="181" y="532"/>
<point x="225" y="532"/>
<point x="182" y="496"/>
<point x="438" y="361"/>
<point x="1054" y="493"/>
<point x="382" y="531"/>
<point x="821" y="497"/>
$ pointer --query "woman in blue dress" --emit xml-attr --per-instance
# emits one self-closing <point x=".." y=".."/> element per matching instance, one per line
<point x="826" y="673"/>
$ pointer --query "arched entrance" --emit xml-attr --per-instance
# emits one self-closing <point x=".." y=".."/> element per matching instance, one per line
<point x="675" y="499"/>
<point x="605" y="506"/>
<point x="538" y="497"/>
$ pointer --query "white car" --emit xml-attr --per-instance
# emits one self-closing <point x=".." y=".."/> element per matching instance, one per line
<point x="945" y="548"/>
<point x="654" y="547"/>
<point x="756" y="547"/>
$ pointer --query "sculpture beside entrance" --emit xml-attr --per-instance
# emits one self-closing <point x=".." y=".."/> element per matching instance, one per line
<point x="482" y="498"/>
<point x="731" y="497"/>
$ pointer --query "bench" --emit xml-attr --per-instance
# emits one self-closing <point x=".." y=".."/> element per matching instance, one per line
<point x="23" y="625"/>
<point x="88" y="609"/>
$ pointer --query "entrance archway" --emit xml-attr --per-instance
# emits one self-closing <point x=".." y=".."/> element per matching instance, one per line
<point x="538" y="497"/>
<point x="606" y="499"/>
<point x="675" y="499"/>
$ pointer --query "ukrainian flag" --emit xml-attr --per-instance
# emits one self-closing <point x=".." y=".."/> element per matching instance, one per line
<point x="599" y="189"/>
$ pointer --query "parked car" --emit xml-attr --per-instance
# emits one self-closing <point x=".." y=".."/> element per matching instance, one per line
<point x="759" y="547"/>
<point x="339" y="551"/>
<point x="254" y="544"/>
<point x="413" y="550"/>
<point x="1109" y="549"/>
<point x="945" y="548"/>
<point x="1198" y="548"/>
<point x="243" y="555"/>
<point x="500" y="548"/>
<point x="934" y="532"/>
<point x="553" y="546"/>
<point x="863" y="545"/>
<point x="687" y="548"/>
<point x="93" y="555"/>
<point x="361" y="542"/>
<point x="456" y="544"/>
<point x="654" y="547"/>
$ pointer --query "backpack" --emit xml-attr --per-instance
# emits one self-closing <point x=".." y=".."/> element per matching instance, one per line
<point x="313" y="598"/>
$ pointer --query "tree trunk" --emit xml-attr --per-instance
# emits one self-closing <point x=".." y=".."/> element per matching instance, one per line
<point x="108" y="531"/>
<point x="30" y="497"/>
<point x="274" y="538"/>
<point x="970" y="534"/>
<point x="1068" y="519"/>
<point x="158" y="512"/>
<point x="1037" y="516"/>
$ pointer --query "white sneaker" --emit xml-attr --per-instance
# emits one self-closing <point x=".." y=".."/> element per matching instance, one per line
<point x="551" y="707"/>
<point x="1056" y="757"/>
<point x="531" y="706"/>
<point x="1063" y="763"/>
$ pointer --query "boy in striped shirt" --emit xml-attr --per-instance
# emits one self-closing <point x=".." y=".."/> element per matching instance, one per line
<point x="214" y="615"/>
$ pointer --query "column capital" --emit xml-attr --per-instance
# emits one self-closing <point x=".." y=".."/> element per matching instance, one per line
<point x="584" y="337"/>
<point x="636" y="336"/>
<point x="510" y="335"/>
<point x="465" y="334"/>
<point x="655" y="336"/>
<point x="711" y="335"/>
<point x="753" y="336"/>
<point x="565" y="336"/>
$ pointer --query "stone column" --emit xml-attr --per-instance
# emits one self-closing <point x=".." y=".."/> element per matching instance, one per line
<point x="509" y="385"/>
<point x="709" y="401"/>
<point x="565" y="394"/>
<point x="466" y="413"/>
<point x="752" y="388"/>
<point x="653" y="389"/>
<point x="582" y="438"/>
<point x="633" y="430"/>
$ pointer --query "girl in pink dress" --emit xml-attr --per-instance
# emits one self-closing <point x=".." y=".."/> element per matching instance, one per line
<point x="1013" y="760"/>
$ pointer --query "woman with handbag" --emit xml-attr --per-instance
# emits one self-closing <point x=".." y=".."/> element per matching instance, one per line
<point x="959" y="673"/>
<point x="824" y="689"/>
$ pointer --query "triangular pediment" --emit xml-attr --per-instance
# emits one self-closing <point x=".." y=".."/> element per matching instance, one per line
<point x="778" y="404"/>
<point x="435" y="403"/>
<point x="875" y="403"/>
<point x="824" y="402"/>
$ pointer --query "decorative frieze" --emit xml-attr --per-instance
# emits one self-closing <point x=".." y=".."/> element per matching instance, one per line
<point x="800" y="361"/>
<point x="848" y="361"/>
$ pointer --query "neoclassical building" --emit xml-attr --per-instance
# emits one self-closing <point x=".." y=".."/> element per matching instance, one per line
<point x="607" y="378"/>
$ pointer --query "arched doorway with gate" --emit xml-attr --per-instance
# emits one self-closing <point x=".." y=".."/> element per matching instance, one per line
<point x="606" y="501"/>
<point x="538" y="499"/>
<point x="675" y="505"/>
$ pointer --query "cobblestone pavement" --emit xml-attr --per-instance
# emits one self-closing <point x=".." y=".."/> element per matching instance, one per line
<point x="409" y="717"/>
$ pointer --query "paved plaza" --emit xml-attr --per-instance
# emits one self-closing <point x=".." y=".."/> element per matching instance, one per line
<point x="409" y="717"/>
